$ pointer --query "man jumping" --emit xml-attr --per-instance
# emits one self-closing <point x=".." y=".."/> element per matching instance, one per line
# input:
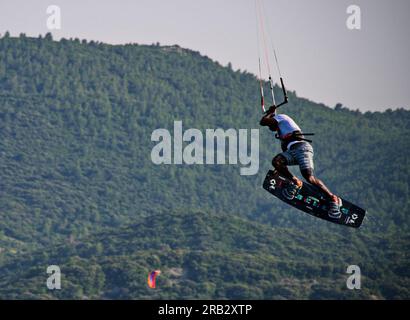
<point x="296" y="151"/>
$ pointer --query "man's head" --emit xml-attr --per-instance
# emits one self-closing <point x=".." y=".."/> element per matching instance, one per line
<point x="273" y="127"/>
<point x="272" y="124"/>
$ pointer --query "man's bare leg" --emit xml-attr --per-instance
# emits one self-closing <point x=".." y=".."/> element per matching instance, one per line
<point x="307" y="174"/>
<point x="334" y="205"/>
<point x="280" y="164"/>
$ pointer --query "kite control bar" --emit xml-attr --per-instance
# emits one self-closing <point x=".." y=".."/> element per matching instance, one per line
<point x="285" y="94"/>
<point x="261" y="35"/>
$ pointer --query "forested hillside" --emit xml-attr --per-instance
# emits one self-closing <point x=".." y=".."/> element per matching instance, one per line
<point x="76" y="119"/>
<point x="217" y="256"/>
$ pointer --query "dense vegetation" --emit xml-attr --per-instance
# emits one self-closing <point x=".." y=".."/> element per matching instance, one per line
<point x="78" y="188"/>
<point x="205" y="255"/>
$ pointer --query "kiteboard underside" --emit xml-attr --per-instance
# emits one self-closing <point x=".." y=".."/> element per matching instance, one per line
<point x="313" y="201"/>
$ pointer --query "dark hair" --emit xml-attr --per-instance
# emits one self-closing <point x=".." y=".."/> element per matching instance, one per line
<point x="273" y="128"/>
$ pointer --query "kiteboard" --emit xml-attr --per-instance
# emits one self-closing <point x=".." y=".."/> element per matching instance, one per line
<point x="313" y="201"/>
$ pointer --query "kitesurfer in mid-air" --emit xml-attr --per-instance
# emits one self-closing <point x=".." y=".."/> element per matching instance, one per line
<point x="296" y="151"/>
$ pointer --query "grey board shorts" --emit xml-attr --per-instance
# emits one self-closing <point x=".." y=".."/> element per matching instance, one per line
<point x="300" y="154"/>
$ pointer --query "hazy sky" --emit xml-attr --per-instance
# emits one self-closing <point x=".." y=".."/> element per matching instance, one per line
<point x="321" y="59"/>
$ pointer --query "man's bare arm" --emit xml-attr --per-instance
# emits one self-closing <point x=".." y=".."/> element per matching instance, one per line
<point x="267" y="119"/>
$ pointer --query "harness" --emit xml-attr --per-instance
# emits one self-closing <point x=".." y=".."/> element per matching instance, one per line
<point x="291" y="137"/>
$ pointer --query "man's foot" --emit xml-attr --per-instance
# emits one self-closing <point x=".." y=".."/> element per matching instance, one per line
<point x="292" y="189"/>
<point x="334" y="207"/>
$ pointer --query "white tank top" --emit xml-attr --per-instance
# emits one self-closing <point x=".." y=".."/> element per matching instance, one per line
<point x="286" y="125"/>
